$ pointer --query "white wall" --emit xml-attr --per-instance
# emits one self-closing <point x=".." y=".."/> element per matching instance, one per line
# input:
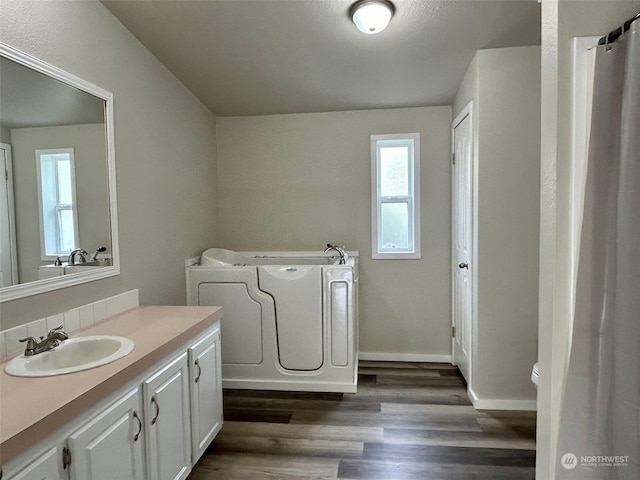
<point x="5" y="135"/>
<point x="92" y="190"/>
<point x="164" y="149"/>
<point x="560" y="22"/>
<point x="296" y="182"/>
<point x="504" y="85"/>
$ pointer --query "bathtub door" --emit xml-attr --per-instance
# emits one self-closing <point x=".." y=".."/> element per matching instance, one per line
<point x="297" y="293"/>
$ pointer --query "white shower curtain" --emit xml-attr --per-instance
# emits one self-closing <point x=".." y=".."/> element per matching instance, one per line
<point x="600" y="422"/>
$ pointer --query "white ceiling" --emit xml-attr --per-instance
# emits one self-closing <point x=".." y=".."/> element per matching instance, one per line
<point x="260" y="57"/>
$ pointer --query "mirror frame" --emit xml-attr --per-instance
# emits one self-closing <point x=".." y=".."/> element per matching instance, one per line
<point x="36" y="287"/>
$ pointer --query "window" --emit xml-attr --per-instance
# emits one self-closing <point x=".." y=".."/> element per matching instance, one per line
<point x="395" y="195"/>
<point x="57" y="202"/>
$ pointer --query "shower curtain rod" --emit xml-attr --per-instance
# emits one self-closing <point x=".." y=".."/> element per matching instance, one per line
<point x="613" y="35"/>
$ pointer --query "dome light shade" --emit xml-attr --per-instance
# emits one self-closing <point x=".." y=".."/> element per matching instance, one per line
<point x="372" y="16"/>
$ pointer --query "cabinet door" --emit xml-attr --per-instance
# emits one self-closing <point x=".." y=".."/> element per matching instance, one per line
<point x="47" y="466"/>
<point x="111" y="445"/>
<point x="166" y="400"/>
<point x="206" y="392"/>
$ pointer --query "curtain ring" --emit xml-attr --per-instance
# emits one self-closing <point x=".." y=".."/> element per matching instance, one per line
<point x="607" y="47"/>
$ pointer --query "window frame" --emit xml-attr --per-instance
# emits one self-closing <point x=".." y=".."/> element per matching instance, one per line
<point x="44" y="255"/>
<point x="378" y="252"/>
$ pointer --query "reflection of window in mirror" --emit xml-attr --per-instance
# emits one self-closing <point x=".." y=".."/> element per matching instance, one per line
<point x="57" y="202"/>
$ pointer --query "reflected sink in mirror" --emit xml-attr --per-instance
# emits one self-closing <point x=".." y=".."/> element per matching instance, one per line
<point x="73" y="355"/>
<point x="51" y="271"/>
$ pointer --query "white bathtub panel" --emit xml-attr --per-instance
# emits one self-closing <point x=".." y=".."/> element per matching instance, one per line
<point x="340" y="309"/>
<point x="241" y="329"/>
<point x="339" y="323"/>
<point x="298" y="299"/>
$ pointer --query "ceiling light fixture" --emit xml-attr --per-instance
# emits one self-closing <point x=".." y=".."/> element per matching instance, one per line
<point x="371" y="16"/>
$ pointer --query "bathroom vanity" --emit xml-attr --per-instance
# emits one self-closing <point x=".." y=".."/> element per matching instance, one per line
<point x="149" y="415"/>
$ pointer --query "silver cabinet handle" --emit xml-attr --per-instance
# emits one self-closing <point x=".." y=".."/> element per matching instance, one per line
<point x="155" y="419"/>
<point x="137" y="435"/>
<point x="463" y="265"/>
<point x="197" y="364"/>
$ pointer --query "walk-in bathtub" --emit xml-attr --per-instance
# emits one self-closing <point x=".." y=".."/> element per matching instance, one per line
<point x="290" y="318"/>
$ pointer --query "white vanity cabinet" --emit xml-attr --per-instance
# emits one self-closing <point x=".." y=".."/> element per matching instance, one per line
<point x="155" y="428"/>
<point x="110" y="445"/>
<point x="45" y="467"/>
<point x="206" y="392"/>
<point x="168" y="426"/>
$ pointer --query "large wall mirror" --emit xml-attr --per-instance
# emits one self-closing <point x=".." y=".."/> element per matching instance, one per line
<point x="57" y="194"/>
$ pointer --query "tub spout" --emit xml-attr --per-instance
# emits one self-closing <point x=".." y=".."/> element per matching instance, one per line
<point x="341" y="251"/>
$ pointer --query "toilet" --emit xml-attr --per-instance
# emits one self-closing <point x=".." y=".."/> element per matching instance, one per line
<point x="534" y="375"/>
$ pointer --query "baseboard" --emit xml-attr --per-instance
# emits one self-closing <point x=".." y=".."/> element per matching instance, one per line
<point x="404" y="357"/>
<point x="500" y="403"/>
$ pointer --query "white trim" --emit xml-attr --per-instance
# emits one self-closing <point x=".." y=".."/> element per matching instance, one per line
<point x="413" y="199"/>
<point x="11" y="213"/>
<point x="404" y="357"/>
<point x="501" y="403"/>
<point x="40" y="286"/>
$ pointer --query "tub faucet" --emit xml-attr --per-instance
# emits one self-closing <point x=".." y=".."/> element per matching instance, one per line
<point x="94" y="257"/>
<point x="54" y="337"/>
<point x="77" y="251"/>
<point x="343" y="254"/>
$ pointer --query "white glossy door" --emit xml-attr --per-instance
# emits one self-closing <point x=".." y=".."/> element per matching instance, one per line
<point x="167" y="420"/>
<point x="462" y="211"/>
<point x="111" y="445"/>
<point x="47" y="466"/>
<point x="206" y="393"/>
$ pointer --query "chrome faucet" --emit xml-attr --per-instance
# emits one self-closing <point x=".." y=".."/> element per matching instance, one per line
<point x="77" y="251"/>
<point x="54" y="337"/>
<point x="341" y="251"/>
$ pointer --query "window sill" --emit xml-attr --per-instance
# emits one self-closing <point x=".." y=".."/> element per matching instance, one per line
<point x="396" y="256"/>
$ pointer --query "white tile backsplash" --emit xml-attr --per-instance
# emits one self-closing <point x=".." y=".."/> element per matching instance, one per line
<point x="100" y="310"/>
<point x="55" y="321"/>
<point x="86" y="316"/>
<point x="130" y="300"/>
<point x="112" y="305"/>
<point x="37" y="329"/>
<point x="12" y="339"/>
<point x="73" y="320"/>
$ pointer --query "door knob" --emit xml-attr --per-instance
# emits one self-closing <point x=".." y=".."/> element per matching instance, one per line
<point x="463" y="265"/>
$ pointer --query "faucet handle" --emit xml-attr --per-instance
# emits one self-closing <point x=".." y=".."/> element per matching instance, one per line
<point x="55" y="329"/>
<point x="31" y="343"/>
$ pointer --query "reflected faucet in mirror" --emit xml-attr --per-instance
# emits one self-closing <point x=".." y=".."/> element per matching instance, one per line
<point x="82" y="255"/>
<point x="94" y="257"/>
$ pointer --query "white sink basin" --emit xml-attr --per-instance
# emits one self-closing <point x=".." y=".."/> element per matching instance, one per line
<point x="72" y="355"/>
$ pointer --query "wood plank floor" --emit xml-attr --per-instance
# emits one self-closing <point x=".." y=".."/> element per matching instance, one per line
<point x="407" y="421"/>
